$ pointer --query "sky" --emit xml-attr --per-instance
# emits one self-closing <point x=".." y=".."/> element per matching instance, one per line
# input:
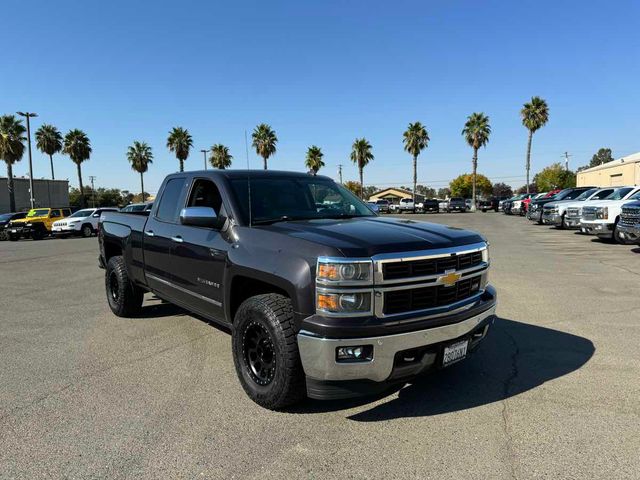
<point x="324" y="73"/>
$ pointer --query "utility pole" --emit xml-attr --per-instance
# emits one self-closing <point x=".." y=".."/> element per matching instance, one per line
<point x="93" y="191"/>
<point x="204" y="153"/>
<point x="340" y="172"/>
<point x="29" y="115"/>
<point x="566" y="160"/>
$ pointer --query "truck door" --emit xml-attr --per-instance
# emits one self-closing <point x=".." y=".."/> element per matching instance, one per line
<point x="159" y="237"/>
<point x="200" y="255"/>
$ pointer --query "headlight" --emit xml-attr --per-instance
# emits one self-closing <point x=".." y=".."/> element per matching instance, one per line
<point x="334" y="271"/>
<point x="347" y="303"/>
<point x="485" y="254"/>
<point x="602" y="213"/>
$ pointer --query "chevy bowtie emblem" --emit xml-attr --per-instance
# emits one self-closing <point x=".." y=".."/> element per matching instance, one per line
<point x="449" y="279"/>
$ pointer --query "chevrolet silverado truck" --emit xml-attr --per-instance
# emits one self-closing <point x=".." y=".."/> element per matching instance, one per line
<point x="323" y="297"/>
<point x="629" y="224"/>
<point x="602" y="218"/>
<point x="429" y="205"/>
<point x="456" y="204"/>
<point x="555" y="213"/>
<point x="536" y="206"/>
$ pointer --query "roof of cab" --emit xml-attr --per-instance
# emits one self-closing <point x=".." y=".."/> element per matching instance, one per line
<point x="231" y="174"/>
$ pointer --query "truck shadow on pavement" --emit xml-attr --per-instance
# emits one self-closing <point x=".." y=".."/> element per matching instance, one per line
<point x="514" y="358"/>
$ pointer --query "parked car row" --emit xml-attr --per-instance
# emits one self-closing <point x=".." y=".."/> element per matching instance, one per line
<point x="39" y="223"/>
<point x="608" y="212"/>
<point x="406" y="205"/>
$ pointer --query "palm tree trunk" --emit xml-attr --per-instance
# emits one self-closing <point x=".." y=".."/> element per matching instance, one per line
<point x="361" y="183"/>
<point x="181" y="164"/>
<point x="473" y="188"/>
<point x="82" y="200"/>
<point x="265" y="162"/>
<point x="53" y="177"/>
<point x="529" y="158"/>
<point x="12" y="195"/>
<point x="415" y="178"/>
<point x="142" y="185"/>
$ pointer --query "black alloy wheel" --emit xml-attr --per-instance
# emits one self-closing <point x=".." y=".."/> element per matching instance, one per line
<point x="259" y="353"/>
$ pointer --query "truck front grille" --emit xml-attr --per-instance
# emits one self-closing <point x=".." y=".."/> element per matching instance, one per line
<point x="589" y="213"/>
<point x="574" y="212"/>
<point x="430" y="266"/>
<point x="399" y="301"/>
<point x="630" y="216"/>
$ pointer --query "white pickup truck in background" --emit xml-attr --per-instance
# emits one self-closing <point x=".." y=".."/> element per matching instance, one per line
<point x="601" y="218"/>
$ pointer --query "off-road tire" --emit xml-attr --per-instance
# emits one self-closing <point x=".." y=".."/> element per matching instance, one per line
<point x="37" y="234"/>
<point x="615" y="236"/>
<point x="124" y="298"/>
<point x="271" y="314"/>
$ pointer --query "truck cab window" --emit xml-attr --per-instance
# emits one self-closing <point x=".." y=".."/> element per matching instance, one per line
<point x="205" y="194"/>
<point x="170" y="204"/>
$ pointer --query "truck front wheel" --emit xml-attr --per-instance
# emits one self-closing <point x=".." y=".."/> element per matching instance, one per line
<point x="265" y="351"/>
<point x="125" y="299"/>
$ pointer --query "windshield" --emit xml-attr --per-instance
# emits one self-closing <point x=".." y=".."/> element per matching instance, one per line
<point x="82" y="213"/>
<point x="383" y="202"/>
<point x="619" y="194"/>
<point x="586" y="194"/>
<point x="38" y="212"/>
<point x="567" y="194"/>
<point x="276" y="199"/>
<point x="457" y="199"/>
<point x="5" y="217"/>
<point x="635" y="196"/>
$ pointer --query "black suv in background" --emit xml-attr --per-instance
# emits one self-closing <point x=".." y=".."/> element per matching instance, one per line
<point x="5" y="218"/>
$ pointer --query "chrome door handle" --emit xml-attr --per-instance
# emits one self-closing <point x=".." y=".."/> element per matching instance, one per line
<point x="177" y="239"/>
<point x="149" y="233"/>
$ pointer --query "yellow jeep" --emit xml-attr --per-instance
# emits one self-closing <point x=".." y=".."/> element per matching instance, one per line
<point x="37" y="224"/>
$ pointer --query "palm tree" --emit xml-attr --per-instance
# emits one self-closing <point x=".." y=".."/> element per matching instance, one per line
<point x="180" y="142"/>
<point x="49" y="141"/>
<point x="11" y="149"/>
<point x="476" y="132"/>
<point x="140" y="156"/>
<point x="264" y="141"/>
<point x="220" y="156"/>
<point x="415" y="140"/>
<point x="535" y="115"/>
<point x="314" y="159"/>
<point x="78" y="147"/>
<point x="361" y="155"/>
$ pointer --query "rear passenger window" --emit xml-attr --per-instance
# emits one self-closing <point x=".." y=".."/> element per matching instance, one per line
<point x="169" y="208"/>
<point x="55" y="213"/>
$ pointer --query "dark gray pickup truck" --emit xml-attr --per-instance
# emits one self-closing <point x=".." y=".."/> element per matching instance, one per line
<point x="323" y="297"/>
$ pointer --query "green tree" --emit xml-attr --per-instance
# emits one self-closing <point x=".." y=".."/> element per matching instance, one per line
<point x="11" y="149"/>
<point x="353" y="186"/>
<point x="313" y="159"/>
<point x="361" y="155"/>
<point x="444" y="192"/>
<point x="140" y="156"/>
<point x="180" y="142"/>
<point x="502" y="190"/>
<point x="415" y="140"/>
<point x="531" y="188"/>
<point x="476" y="132"/>
<point x="78" y="147"/>
<point x="220" y="156"/>
<point x="603" y="155"/>
<point x="49" y="142"/>
<point x="426" y="192"/>
<point x="535" y="115"/>
<point x="369" y="190"/>
<point x="264" y="140"/>
<point x="463" y="186"/>
<point x="553" y="177"/>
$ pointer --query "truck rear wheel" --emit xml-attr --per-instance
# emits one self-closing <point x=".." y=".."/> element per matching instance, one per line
<point x="265" y="352"/>
<point x="125" y="299"/>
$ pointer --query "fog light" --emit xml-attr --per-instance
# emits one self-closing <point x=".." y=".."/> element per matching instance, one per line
<point x="360" y="353"/>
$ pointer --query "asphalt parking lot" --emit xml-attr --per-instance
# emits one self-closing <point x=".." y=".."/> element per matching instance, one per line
<point x="552" y="393"/>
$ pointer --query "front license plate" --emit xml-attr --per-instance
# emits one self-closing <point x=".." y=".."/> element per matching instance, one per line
<point x="454" y="352"/>
<point x="14" y="231"/>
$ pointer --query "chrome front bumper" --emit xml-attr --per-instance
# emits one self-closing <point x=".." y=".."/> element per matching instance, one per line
<point x="600" y="229"/>
<point x="551" y="218"/>
<point x="318" y="354"/>
<point x="572" y="222"/>
<point x="630" y="232"/>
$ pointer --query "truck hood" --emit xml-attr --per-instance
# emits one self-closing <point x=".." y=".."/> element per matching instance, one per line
<point x="29" y="219"/>
<point x="367" y="236"/>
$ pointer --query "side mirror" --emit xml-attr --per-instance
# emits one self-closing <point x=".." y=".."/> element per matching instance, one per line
<point x="96" y="215"/>
<point x="199" y="217"/>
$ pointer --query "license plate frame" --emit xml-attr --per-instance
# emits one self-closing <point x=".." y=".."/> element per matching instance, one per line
<point x="455" y="352"/>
